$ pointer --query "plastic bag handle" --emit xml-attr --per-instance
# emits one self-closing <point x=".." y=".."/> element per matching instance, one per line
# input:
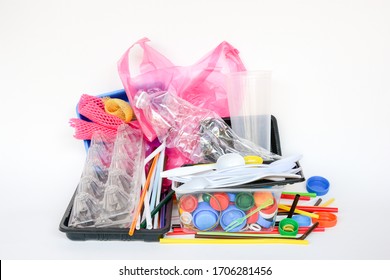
<point x="222" y="50"/>
<point x="151" y="60"/>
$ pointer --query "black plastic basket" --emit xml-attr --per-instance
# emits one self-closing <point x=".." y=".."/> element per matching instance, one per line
<point x="154" y="235"/>
<point x="103" y="234"/>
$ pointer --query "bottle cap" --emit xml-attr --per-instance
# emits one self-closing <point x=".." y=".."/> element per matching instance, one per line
<point x="261" y="196"/>
<point x="186" y="218"/>
<point x="252" y="219"/>
<point x="303" y="221"/>
<point x="264" y="222"/>
<point x="231" y="214"/>
<point x="288" y="227"/>
<point x="318" y="185"/>
<point x="244" y="201"/>
<point x="205" y="217"/>
<point x="219" y="201"/>
<point x="206" y="197"/>
<point x="188" y="203"/>
<point x="232" y="197"/>
<point x="325" y="219"/>
<point x="270" y="211"/>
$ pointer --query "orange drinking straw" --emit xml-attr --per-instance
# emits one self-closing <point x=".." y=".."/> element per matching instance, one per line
<point x="144" y="191"/>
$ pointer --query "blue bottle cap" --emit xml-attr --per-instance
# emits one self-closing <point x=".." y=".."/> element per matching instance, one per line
<point x="205" y="217"/>
<point x="318" y="185"/>
<point x="232" y="197"/>
<point x="231" y="214"/>
<point x="264" y="222"/>
<point x="303" y="221"/>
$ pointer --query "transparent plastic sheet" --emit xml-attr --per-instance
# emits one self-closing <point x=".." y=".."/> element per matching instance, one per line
<point x="199" y="134"/>
<point x="110" y="184"/>
<point x="201" y="84"/>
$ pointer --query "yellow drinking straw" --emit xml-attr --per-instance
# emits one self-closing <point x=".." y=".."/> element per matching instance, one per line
<point x="304" y="213"/>
<point x="232" y="241"/>
<point x="329" y="202"/>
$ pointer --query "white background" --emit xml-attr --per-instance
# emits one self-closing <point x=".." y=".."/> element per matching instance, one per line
<point x="330" y="62"/>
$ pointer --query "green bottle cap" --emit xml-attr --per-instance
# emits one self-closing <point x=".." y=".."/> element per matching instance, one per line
<point x="244" y="201"/>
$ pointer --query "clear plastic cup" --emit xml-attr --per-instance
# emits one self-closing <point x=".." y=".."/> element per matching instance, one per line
<point x="249" y="106"/>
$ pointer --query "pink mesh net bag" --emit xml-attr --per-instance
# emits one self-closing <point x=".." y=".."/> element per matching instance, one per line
<point x="92" y="107"/>
<point x="84" y="129"/>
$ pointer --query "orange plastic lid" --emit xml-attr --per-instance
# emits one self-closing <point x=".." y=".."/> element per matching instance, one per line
<point x="219" y="201"/>
<point x="188" y="203"/>
<point x="325" y="219"/>
<point x="261" y="197"/>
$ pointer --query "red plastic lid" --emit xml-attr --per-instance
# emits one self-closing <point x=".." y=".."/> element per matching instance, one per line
<point x="188" y="203"/>
<point x="252" y="219"/>
<point x="219" y="201"/>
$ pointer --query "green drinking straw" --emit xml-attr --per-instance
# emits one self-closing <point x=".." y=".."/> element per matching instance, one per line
<point x="301" y="194"/>
<point x="159" y="206"/>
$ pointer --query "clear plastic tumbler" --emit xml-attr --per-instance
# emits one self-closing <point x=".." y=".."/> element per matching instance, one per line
<point x="249" y="98"/>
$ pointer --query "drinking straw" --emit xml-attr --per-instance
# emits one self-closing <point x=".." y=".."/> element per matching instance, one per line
<point x="173" y="233"/>
<point x="162" y="216"/>
<point x="146" y="202"/>
<point x="159" y="206"/>
<point x="317" y="209"/>
<point x="318" y="202"/>
<point x="313" y="208"/>
<point x="301" y="194"/>
<point x="232" y="235"/>
<point x="149" y="223"/>
<point x="226" y="241"/>
<point x="287" y="208"/>
<point x="159" y="181"/>
<point x="301" y="230"/>
<point x="142" y="199"/>
<point x="329" y="202"/>
<point x="153" y="184"/>
<point x="146" y="213"/>
<point x="290" y="196"/>
<point x="149" y="197"/>
<point x="293" y="206"/>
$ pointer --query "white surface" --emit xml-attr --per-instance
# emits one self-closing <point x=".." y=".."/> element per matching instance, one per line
<point x="330" y="62"/>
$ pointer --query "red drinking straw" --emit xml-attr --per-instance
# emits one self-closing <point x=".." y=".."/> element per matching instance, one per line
<point x="290" y="196"/>
<point x="317" y="209"/>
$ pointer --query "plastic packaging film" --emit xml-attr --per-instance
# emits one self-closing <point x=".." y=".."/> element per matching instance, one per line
<point x="199" y="134"/>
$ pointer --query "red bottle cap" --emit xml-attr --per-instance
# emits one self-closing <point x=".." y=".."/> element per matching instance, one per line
<point x="219" y="201"/>
<point x="252" y="219"/>
<point x="188" y="203"/>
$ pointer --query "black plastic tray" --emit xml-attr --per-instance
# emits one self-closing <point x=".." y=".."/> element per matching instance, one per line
<point x="153" y="235"/>
<point x="104" y="234"/>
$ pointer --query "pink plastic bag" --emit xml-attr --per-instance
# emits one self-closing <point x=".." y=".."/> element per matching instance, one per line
<point x="202" y="84"/>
